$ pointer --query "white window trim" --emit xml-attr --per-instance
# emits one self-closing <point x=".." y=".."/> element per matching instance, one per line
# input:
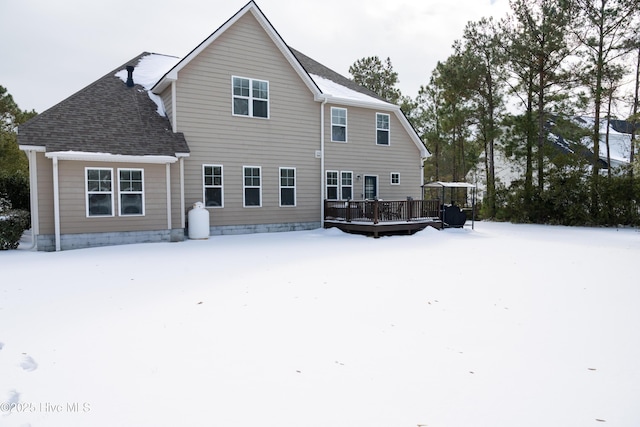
<point x="130" y="192"/>
<point x="86" y="193"/>
<point x="244" y="187"/>
<point x="391" y="178"/>
<point x="387" y="130"/>
<point x="295" y="184"/>
<point x="343" y="186"/>
<point x="250" y="98"/>
<point x="346" y="130"/>
<point x="204" y="186"/>
<point x="326" y="184"/>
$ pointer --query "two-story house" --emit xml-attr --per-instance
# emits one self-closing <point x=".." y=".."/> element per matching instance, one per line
<point x="257" y="131"/>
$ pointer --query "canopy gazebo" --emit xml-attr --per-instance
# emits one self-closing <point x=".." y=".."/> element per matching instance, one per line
<point x="451" y="214"/>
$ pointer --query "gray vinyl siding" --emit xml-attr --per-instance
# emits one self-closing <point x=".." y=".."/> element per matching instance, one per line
<point x="361" y="155"/>
<point x="73" y="218"/>
<point x="168" y="105"/>
<point x="288" y="138"/>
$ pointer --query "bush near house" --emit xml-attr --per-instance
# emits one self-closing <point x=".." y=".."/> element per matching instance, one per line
<point x="15" y="188"/>
<point x="13" y="222"/>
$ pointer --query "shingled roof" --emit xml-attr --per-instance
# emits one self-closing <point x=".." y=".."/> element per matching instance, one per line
<point x="105" y="117"/>
<point x="313" y="67"/>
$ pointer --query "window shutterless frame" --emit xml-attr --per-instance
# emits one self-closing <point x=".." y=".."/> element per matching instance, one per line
<point x="249" y="97"/>
<point x="213" y="186"/>
<point x="130" y="192"/>
<point x="252" y="186"/>
<point x="338" y="124"/>
<point x="346" y="185"/>
<point x="99" y="193"/>
<point x="382" y="129"/>
<point x="395" y="178"/>
<point x="332" y="185"/>
<point x="287" y="186"/>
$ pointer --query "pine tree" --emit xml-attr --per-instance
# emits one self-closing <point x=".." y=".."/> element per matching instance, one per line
<point x="380" y="78"/>
<point x="12" y="160"/>
<point x="539" y="50"/>
<point x="482" y="44"/>
<point x="605" y="35"/>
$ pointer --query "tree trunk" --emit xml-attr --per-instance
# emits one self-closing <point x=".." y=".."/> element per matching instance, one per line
<point x="596" y="127"/>
<point x="634" y="121"/>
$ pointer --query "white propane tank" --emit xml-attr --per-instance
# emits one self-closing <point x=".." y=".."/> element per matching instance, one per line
<point x="198" y="222"/>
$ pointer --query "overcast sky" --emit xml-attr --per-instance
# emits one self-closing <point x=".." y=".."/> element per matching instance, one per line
<point x="51" y="49"/>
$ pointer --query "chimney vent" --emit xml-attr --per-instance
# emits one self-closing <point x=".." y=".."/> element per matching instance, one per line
<point x="130" y="75"/>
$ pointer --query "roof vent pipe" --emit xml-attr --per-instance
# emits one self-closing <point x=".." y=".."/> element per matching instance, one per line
<point x="130" y="75"/>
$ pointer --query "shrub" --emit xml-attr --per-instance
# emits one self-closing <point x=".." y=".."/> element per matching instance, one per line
<point x="16" y="188"/>
<point x="12" y="225"/>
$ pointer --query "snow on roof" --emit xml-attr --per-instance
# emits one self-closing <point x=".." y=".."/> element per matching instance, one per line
<point x="329" y="87"/>
<point x="148" y="71"/>
<point x="619" y="143"/>
<point x="440" y="184"/>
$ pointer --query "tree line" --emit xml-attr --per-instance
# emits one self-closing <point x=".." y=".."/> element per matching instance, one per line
<point x="513" y="85"/>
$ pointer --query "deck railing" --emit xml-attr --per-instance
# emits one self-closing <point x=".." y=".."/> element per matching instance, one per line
<point x="377" y="211"/>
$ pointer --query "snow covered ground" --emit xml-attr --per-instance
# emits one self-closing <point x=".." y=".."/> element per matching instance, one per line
<point x="505" y="325"/>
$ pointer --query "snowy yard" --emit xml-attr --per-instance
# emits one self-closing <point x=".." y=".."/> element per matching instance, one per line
<point x="506" y="325"/>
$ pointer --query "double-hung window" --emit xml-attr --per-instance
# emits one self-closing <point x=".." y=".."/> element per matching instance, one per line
<point x="332" y="185"/>
<point x="250" y="97"/>
<point x="99" y="191"/>
<point x="212" y="185"/>
<point x="287" y="187"/>
<point x="338" y="124"/>
<point x="131" y="191"/>
<point x="346" y="185"/>
<point x="382" y="129"/>
<point x="252" y="186"/>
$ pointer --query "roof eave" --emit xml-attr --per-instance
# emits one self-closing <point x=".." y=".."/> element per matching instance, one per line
<point x="107" y="157"/>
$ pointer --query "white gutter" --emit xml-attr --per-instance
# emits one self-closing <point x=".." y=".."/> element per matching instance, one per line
<point x="106" y="157"/>
<point x="322" y="162"/>
<point x="56" y="204"/>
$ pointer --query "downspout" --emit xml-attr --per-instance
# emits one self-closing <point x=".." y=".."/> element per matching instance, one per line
<point x="322" y="162"/>
<point x="33" y="198"/>
<point x="168" y="178"/>
<point x="56" y="203"/>
<point x="182" y="217"/>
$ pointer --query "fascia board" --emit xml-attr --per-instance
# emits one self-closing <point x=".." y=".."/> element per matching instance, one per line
<point x="37" y="148"/>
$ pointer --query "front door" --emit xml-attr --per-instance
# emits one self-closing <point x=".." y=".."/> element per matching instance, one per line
<point x="370" y="187"/>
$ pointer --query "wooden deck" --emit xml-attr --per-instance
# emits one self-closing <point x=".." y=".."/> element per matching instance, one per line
<point x="380" y="217"/>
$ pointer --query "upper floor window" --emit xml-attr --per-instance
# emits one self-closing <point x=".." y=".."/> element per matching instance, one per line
<point x="338" y="124"/>
<point x="382" y="129"/>
<point x="250" y="97"/>
<point x="99" y="191"/>
<point x="131" y="191"/>
<point x="287" y="187"/>
<point x="252" y="186"/>
<point x="212" y="184"/>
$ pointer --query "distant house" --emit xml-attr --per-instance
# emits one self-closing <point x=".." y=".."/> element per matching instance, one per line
<point x="257" y="131"/>
<point x="508" y="169"/>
